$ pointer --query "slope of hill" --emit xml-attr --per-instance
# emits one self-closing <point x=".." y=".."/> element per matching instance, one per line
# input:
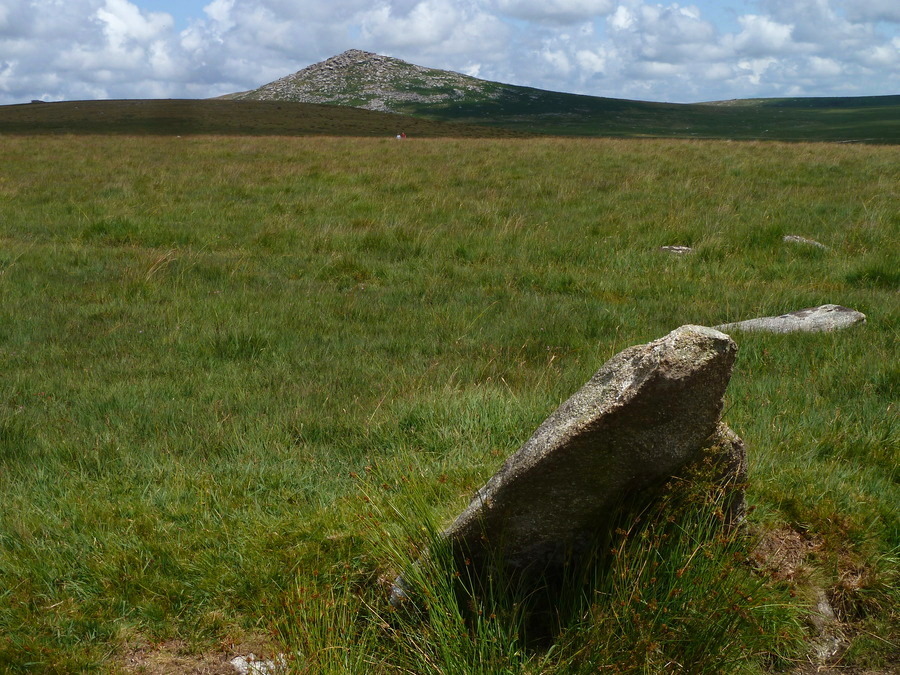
<point x="190" y="116"/>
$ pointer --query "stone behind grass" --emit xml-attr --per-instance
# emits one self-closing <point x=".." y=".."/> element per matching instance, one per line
<point x="797" y="239"/>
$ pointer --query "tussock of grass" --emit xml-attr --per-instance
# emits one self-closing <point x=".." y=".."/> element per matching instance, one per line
<point x="214" y="347"/>
<point x="670" y="582"/>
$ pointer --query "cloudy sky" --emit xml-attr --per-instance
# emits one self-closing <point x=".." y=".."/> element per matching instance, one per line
<point x="683" y="52"/>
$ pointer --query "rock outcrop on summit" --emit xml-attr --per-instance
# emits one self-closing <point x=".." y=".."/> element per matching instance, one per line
<point x="371" y="81"/>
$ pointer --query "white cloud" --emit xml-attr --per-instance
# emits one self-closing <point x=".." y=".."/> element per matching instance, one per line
<point x="886" y="56"/>
<point x="816" y="22"/>
<point x="591" y="62"/>
<point x="824" y="67"/>
<point x="473" y="70"/>
<point x="220" y="13"/>
<point x="7" y="74"/>
<point x="872" y="10"/>
<point x="428" y="23"/>
<point x="754" y="69"/>
<point x="622" y="19"/>
<point x="652" y="49"/>
<point x="761" y="35"/>
<point x="124" y="22"/>
<point x="556" y="11"/>
<point x="444" y="27"/>
<point x="557" y="60"/>
<point x="717" y="71"/>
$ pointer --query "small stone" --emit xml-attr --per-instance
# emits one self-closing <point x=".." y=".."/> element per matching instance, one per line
<point x="820" y="319"/>
<point x="796" y="239"/>
<point x="250" y="665"/>
<point x="829" y="640"/>
<point x="678" y="250"/>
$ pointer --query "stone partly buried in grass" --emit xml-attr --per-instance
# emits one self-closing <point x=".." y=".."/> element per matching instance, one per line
<point x="648" y="412"/>
<point x="820" y="319"/>
<point x="796" y="239"/>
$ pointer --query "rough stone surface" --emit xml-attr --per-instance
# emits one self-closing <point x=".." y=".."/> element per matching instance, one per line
<point x="796" y="239"/>
<point x="829" y="640"/>
<point x="679" y="250"/>
<point x="810" y="320"/>
<point x="372" y="81"/>
<point x="251" y="665"/>
<point x="643" y="415"/>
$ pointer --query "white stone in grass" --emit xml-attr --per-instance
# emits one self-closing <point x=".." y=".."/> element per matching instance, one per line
<point x="678" y="250"/>
<point x="820" y="319"/>
<point x="829" y="640"/>
<point x="796" y="239"/>
<point x="250" y="665"/>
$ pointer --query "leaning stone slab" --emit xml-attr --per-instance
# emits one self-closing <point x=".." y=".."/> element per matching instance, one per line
<point x="796" y="239"/>
<point x="646" y="413"/>
<point x="810" y="320"/>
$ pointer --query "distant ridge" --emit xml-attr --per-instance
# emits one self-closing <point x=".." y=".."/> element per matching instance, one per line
<point x="359" y="93"/>
<point x="374" y="82"/>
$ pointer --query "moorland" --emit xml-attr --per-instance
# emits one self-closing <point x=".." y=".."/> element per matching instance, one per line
<point x="245" y="378"/>
<point x="516" y="112"/>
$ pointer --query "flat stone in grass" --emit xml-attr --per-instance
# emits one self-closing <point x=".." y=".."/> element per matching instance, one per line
<point x="251" y="665"/>
<point x="810" y="320"/>
<point x="796" y="239"/>
<point x="644" y="415"/>
<point x="678" y="250"/>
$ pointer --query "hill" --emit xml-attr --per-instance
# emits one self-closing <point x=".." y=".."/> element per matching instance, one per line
<point x="372" y="81"/>
<point x="363" y="94"/>
<point x="375" y="82"/>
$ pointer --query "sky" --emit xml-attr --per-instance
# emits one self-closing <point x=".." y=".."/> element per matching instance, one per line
<point x="681" y="52"/>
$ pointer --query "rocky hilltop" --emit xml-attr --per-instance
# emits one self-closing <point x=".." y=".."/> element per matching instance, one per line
<point x="366" y="80"/>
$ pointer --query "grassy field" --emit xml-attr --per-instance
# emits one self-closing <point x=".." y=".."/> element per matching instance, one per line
<point x="245" y="379"/>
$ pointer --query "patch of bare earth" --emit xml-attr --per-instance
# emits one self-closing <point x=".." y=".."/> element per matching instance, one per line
<point x="782" y="554"/>
<point x="174" y="657"/>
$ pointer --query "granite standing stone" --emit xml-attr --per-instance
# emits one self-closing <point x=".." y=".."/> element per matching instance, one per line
<point x="646" y="413"/>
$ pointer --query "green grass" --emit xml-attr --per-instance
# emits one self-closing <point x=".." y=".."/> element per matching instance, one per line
<point x="239" y="367"/>
<point x="668" y="587"/>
